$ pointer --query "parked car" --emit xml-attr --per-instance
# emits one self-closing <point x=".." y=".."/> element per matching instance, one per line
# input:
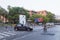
<point x="40" y="24"/>
<point x="22" y="28"/>
<point x="50" y="24"/>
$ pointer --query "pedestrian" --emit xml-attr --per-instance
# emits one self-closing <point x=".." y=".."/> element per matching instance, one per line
<point x="6" y="28"/>
<point x="45" y="28"/>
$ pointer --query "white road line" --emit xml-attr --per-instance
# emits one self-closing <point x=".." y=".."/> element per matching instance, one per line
<point x="12" y="32"/>
<point x="1" y="36"/>
<point x="4" y="34"/>
<point x="9" y="33"/>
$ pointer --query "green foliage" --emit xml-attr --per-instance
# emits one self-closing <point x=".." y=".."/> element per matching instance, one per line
<point x="35" y="16"/>
<point x="45" y="19"/>
<point x="14" y="13"/>
<point x="51" y="16"/>
<point x="3" y="12"/>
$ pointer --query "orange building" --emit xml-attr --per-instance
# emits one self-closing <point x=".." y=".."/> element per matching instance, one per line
<point x="44" y="12"/>
<point x="3" y="19"/>
<point x="32" y="12"/>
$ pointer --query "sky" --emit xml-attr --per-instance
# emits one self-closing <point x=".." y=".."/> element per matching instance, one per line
<point x="36" y="5"/>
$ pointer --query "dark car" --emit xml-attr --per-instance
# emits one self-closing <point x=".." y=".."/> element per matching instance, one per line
<point x="22" y="28"/>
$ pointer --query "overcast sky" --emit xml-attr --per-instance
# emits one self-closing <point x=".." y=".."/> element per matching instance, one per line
<point x="37" y="5"/>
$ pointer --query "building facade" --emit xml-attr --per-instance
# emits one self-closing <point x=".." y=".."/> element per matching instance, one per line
<point x="3" y="19"/>
<point x="43" y="12"/>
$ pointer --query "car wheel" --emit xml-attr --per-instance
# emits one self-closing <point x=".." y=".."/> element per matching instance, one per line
<point x="28" y="29"/>
<point x="16" y="29"/>
<point x="31" y="29"/>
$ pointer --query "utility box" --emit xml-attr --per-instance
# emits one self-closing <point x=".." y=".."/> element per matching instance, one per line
<point x="22" y="19"/>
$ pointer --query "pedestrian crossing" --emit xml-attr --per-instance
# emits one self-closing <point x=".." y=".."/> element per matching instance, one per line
<point x="1" y="37"/>
<point x="7" y="34"/>
<point x="11" y="34"/>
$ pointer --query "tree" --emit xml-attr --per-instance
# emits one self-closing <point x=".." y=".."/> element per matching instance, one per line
<point x="51" y="16"/>
<point x="14" y="13"/>
<point x="45" y="18"/>
<point x="3" y="12"/>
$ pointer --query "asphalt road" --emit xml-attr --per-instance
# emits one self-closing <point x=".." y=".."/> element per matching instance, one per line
<point x="9" y="33"/>
<point x="37" y="34"/>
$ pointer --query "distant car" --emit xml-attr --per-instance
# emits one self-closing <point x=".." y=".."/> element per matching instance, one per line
<point x="40" y="24"/>
<point x="49" y="24"/>
<point x="22" y="28"/>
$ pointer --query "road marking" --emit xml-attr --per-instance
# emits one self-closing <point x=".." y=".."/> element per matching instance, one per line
<point x="9" y="33"/>
<point x="1" y="36"/>
<point x="4" y="34"/>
